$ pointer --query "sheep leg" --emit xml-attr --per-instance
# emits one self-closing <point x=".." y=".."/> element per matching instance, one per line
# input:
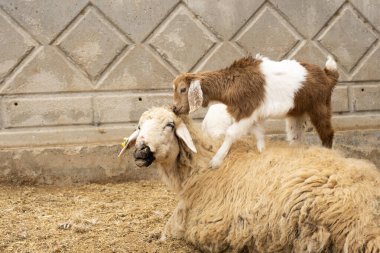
<point x="259" y="133"/>
<point x="234" y="132"/>
<point x="295" y="128"/>
<point x="175" y="226"/>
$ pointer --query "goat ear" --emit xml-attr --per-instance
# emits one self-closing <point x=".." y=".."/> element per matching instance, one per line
<point x="195" y="95"/>
<point x="131" y="140"/>
<point x="183" y="133"/>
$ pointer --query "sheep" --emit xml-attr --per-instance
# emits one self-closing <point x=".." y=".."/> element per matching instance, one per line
<point x="255" y="89"/>
<point x="287" y="199"/>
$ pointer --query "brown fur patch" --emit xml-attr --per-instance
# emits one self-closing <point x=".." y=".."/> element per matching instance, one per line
<point x="314" y="98"/>
<point x="239" y="86"/>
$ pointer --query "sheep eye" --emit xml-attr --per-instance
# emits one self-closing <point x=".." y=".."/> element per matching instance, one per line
<point x="183" y="90"/>
<point x="171" y="125"/>
<point x="138" y="127"/>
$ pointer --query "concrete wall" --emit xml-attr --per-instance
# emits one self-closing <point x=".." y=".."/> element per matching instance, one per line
<point x="79" y="72"/>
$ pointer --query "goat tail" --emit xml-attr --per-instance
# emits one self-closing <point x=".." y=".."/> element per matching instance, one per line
<point x="331" y="70"/>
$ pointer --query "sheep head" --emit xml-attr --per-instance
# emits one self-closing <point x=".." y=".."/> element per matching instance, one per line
<point x="188" y="95"/>
<point x="157" y="137"/>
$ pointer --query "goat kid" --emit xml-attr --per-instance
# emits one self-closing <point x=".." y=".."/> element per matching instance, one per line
<point x="255" y="89"/>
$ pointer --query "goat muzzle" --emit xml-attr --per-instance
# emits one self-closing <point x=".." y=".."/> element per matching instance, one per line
<point x="143" y="156"/>
<point x="180" y="110"/>
<point x="175" y="109"/>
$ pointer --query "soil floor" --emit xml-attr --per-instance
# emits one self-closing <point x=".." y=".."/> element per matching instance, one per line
<point x="125" y="217"/>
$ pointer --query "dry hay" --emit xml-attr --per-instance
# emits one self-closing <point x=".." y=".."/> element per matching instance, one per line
<point x="92" y="218"/>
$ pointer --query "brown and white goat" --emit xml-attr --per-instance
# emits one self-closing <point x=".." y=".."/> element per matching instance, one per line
<point x="255" y="89"/>
<point x="287" y="199"/>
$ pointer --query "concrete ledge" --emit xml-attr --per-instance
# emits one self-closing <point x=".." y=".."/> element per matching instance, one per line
<point x="363" y="144"/>
<point x="113" y="133"/>
<point x="68" y="165"/>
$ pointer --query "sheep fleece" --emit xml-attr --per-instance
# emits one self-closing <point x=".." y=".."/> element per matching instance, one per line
<point x="287" y="199"/>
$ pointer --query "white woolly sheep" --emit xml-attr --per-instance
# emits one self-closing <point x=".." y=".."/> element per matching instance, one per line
<point x="255" y="89"/>
<point x="287" y="199"/>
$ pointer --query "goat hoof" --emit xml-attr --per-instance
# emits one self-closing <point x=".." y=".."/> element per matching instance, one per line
<point x="215" y="163"/>
<point x="260" y="147"/>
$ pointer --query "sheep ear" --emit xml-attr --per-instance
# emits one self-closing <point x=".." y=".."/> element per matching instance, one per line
<point x="183" y="133"/>
<point x="130" y="141"/>
<point x="195" y="95"/>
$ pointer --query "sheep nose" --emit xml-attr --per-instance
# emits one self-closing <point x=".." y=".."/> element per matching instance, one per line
<point x="142" y="151"/>
<point x="143" y="155"/>
<point x="141" y="141"/>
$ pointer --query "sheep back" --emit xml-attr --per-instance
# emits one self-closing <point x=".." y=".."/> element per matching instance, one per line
<point x="287" y="199"/>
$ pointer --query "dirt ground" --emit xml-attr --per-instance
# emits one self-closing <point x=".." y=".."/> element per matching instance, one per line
<point x="125" y="217"/>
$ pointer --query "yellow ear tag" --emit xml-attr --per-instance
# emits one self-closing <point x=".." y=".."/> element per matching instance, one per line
<point x="124" y="143"/>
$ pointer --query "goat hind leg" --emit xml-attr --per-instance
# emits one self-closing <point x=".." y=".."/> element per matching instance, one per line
<point x="321" y="119"/>
<point x="295" y="128"/>
<point x="235" y="131"/>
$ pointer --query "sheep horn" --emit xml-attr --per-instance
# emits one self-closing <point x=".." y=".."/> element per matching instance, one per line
<point x="131" y="139"/>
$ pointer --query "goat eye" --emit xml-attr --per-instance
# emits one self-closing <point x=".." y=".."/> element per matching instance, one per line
<point x="171" y="125"/>
<point x="183" y="90"/>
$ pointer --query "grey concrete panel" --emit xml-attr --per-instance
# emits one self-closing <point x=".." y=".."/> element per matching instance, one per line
<point x="339" y="99"/>
<point x="308" y="16"/>
<point x="28" y="112"/>
<point x="47" y="71"/>
<point x="348" y="39"/>
<point x="127" y="108"/>
<point x="268" y="34"/>
<point x="366" y="97"/>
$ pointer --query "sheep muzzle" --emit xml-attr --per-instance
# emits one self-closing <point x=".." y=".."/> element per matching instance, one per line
<point x="143" y="156"/>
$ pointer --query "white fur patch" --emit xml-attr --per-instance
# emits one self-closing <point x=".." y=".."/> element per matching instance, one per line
<point x="282" y="80"/>
<point x="145" y="129"/>
<point x="234" y="132"/>
<point x="259" y="56"/>
<point x="216" y="121"/>
<point x="259" y="133"/>
<point x="330" y="63"/>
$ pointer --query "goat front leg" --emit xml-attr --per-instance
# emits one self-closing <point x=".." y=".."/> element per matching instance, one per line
<point x="234" y="132"/>
<point x="259" y="133"/>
